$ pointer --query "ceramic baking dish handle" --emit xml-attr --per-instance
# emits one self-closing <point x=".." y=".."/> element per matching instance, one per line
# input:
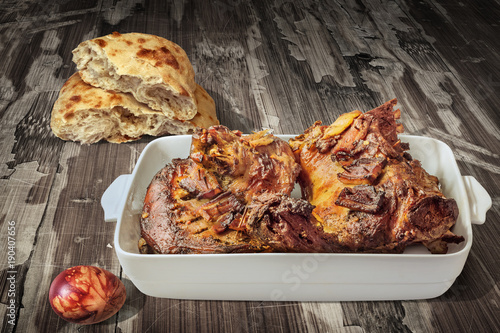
<point x="479" y="200"/>
<point x="112" y="198"/>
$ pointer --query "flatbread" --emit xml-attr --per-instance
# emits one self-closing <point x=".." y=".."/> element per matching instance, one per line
<point x="153" y="69"/>
<point x="88" y="114"/>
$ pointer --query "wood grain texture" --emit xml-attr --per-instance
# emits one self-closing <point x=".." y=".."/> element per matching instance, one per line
<point x="268" y="64"/>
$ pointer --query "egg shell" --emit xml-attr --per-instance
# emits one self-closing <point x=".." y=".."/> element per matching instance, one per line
<point x="86" y="294"/>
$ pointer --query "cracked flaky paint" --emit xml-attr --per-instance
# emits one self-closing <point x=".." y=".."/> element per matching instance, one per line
<point x="257" y="72"/>
<point x="18" y="183"/>
<point x="38" y="277"/>
<point x="310" y="44"/>
<point x="233" y="56"/>
<point x="116" y="11"/>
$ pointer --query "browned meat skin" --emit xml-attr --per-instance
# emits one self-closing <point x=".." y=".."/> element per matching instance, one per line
<point x="246" y="166"/>
<point x="364" y="193"/>
<point x="198" y="204"/>
<point x="363" y="198"/>
<point x="367" y="192"/>
<point x="362" y="171"/>
<point x="286" y="225"/>
<point x="172" y="219"/>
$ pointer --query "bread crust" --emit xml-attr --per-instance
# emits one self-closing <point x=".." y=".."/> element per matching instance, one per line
<point x="153" y="69"/>
<point x="88" y="114"/>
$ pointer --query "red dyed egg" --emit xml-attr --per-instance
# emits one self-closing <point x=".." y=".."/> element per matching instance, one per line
<point x="86" y="294"/>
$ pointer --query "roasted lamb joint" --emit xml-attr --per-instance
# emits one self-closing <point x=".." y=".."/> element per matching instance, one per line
<point x="362" y="192"/>
<point x="246" y="166"/>
<point x="198" y="204"/>
<point x="286" y="224"/>
<point x="173" y="218"/>
<point x="368" y="193"/>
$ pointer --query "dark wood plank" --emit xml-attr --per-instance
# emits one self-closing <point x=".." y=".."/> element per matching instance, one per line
<point x="267" y="64"/>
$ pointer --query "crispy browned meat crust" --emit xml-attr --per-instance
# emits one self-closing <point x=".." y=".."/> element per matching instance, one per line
<point x="199" y="204"/>
<point x="367" y="191"/>
<point x="177" y="200"/>
<point x="362" y="192"/>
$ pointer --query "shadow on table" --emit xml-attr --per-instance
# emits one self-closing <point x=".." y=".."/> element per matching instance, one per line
<point x="133" y="304"/>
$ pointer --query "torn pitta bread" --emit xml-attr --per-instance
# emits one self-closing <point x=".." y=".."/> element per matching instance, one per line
<point x="88" y="114"/>
<point x="153" y="69"/>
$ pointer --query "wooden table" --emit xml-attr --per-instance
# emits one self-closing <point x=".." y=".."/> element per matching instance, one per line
<point x="267" y="64"/>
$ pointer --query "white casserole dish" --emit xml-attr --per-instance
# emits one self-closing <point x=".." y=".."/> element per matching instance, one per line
<point x="415" y="274"/>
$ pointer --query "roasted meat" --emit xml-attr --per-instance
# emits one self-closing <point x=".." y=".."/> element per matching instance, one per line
<point x="199" y="204"/>
<point x="246" y="166"/>
<point x="362" y="192"/>
<point x="178" y="199"/>
<point x="286" y="224"/>
<point x="368" y="192"/>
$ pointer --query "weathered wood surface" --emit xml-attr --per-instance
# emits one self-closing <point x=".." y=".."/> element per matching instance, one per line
<point x="268" y="64"/>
